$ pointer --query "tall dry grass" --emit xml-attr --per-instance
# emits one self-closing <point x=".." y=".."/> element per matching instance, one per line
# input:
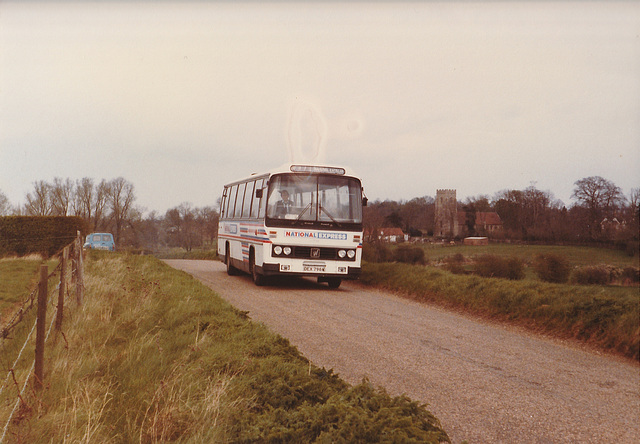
<point x="113" y="376"/>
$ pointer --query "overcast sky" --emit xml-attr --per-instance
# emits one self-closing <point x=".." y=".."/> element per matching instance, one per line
<point x="179" y="98"/>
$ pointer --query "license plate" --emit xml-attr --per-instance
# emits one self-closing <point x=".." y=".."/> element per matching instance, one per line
<point x="314" y="269"/>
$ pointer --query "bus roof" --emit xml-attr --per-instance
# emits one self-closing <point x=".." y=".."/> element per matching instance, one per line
<point x="301" y="168"/>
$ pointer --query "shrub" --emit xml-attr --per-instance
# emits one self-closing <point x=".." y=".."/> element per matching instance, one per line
<point x="552" y="268"/>
<point x="592" y="275"/>
<point x="377" y="252"/>
<point x="410" y="255"/>
<point x="630" y="275"/>
<point x="632" y="248"/>
<point x="454" y="264"/>
<point x="490" y="265"/>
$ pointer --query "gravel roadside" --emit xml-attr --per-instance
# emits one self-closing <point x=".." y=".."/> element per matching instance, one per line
<point x="485" y="382"/>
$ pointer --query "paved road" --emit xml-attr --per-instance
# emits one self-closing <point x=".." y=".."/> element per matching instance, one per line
<point x="485" y="382"/>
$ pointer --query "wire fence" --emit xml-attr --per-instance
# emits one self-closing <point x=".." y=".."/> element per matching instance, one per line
<point x="23" y="368"/>
<point x="24" y="308"/>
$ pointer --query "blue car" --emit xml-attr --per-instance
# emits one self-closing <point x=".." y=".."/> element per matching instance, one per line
<point x="100" y="241"/>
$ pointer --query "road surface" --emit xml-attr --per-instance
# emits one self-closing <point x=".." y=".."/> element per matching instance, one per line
<point x="486" y="383"/>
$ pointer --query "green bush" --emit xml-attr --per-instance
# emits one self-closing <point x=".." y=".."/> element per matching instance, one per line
<point x="351" y="414"/>
<point x="490" y="265"/>
<point x="630" y="275"/>
<point x="454" y="264"/>
<point x="591" y="275"/>
<point x="377" y="252"/>
<point x="408" y="254"/>
<point x="552" y="268"/>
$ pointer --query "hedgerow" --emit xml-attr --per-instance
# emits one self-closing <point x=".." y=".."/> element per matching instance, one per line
<point x="45" y="235"/>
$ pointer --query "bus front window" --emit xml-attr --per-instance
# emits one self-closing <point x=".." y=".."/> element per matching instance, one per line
<point x="314" y="199"/>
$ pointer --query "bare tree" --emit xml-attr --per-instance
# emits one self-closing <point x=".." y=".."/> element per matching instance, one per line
<point x="187" y="232"/>
<point x="5" y="205"/>
<point x="39" y="203"/>
<point x="83" y="203"/>
<point x="207" y="218"/>
<point x="418" y="215"/>
<point x="530" y="214"/>
<point x="120" y="198"/>
<point x="600" y="197"/>
<point x="634" y="202"/>
<point x="90" y="201"/>
<point x="100" y="204"/>
<point x="61" y="196"/>
<point x="536" y="204"/>
<point x="479" y="202"/>
<point x="632" y="216"/>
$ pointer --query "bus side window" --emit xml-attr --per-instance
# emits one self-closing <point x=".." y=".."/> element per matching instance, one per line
<point x="263" y="199"/>
<point x="255" y="206"/>
<point x="232" y="201"/>
<point x="240" y="199"/>
<point x="246" y="207"/>
<point x="223" y="202"/>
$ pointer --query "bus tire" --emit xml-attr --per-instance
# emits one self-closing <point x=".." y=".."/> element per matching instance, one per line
<point x="334" y="282"/>
<point x="258" y="279"/>
<point x="231" y="270"/>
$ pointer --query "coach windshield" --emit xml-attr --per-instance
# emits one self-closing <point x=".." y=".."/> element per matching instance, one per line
<point x="316" y="199"/>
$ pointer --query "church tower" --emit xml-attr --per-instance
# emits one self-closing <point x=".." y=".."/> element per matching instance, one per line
<point x="446" y="223"/>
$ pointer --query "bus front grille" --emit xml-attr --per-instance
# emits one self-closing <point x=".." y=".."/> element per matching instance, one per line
<point x="315" y="253"/>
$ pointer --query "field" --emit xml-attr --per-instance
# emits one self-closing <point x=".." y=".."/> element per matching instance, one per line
<point x="18" y="277"/>
<point x="155" y="356"/>
<point x="577" y="256"/>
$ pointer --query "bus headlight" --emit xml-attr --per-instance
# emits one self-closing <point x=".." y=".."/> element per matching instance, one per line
<point x="351" y="254"/>
<point x="277" y="250"/>
<point x="342" y="254"/>
<point x="287" y="250"/>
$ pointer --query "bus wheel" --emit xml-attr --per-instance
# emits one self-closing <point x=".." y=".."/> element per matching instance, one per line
<point x="231" y="270"/>
<point x="258" y="278"/>
<point x="334" y="282"/>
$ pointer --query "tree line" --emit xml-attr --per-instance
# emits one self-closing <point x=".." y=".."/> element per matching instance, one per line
<point x="600" y="213"/>
<point x="109" y="206"/>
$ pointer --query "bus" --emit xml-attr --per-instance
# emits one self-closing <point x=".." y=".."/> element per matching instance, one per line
<point x="295" y="220"/>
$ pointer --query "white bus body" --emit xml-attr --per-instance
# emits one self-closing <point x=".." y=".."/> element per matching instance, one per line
<point x="316" y="232"/>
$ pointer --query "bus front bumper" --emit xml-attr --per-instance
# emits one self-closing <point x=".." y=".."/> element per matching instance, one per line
<point x="350" y="273"/>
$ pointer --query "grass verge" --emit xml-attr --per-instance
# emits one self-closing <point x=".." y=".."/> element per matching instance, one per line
<point x="180" y="253"/>
<point x="18" y="277"/>
<point x="155" y="356"/>
<point x="606" y="317"/>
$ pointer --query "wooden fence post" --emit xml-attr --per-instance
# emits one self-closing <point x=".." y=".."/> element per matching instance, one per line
<point x="63" y="287"/>
<point x="79" y="271"/>
<point x="40" y="326"/>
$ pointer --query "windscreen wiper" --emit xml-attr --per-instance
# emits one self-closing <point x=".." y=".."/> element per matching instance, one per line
<point x="303" y="211"/>
<point x="330" y="216"/>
